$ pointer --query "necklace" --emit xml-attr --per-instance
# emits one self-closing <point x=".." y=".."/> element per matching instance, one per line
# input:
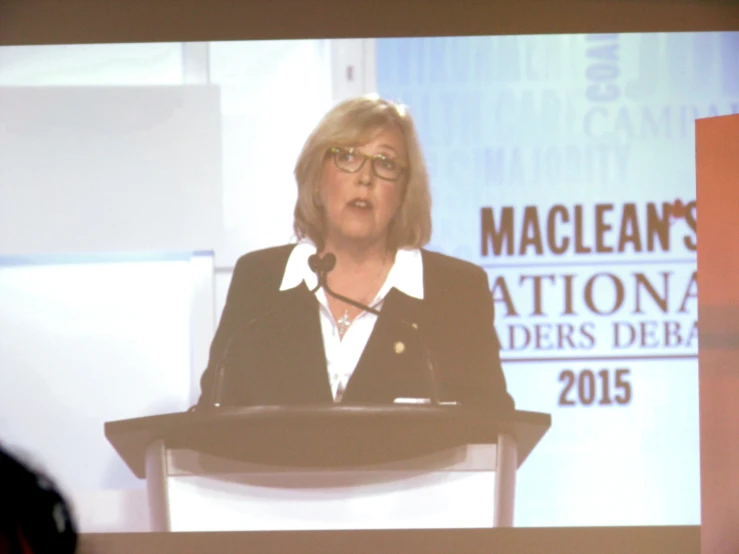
<point x="344" y="322"/>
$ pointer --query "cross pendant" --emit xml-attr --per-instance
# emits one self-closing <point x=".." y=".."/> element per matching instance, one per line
<point x="343" y="322"/>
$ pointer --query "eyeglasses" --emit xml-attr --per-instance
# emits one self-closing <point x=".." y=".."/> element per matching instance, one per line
<point x="352" y="160"/>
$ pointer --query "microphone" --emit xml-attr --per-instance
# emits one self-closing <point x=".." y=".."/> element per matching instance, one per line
<point x="322" y="265"/>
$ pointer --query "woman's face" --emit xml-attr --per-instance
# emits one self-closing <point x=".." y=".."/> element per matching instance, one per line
<point x="360" y="205"/>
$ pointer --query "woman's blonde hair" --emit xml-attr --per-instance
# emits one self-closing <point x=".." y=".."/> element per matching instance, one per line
<point x="350" y="123"/>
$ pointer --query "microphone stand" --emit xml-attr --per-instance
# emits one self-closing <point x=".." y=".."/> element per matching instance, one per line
<point x="323" y="282"/>
<point x="216" y="391"/>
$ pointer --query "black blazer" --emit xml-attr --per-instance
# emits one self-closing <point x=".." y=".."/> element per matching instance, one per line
<point x="275" y="353"/>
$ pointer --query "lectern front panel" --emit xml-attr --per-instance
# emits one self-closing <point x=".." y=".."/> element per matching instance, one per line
<point x="452" y="489"/>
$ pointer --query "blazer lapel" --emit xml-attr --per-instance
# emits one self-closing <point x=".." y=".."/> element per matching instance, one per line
<point x="389" y="366"/>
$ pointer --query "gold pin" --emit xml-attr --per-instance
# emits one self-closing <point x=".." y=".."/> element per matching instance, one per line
<point x="414" y="325"/>
<point x="399" y="347"/>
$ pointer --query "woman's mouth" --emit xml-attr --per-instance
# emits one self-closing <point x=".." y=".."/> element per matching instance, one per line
<point x="360" y="204"/>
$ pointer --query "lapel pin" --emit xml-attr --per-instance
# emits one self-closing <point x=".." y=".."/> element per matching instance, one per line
<point x="399" y="347"/>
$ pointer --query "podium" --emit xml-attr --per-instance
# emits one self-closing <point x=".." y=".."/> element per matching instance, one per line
<point x="328" y="467"/>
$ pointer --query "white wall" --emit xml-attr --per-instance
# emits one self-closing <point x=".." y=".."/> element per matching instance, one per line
<point x="273" y="94"/>
<point x="109" y="169"/>
<point x="117" y="162"/>
<point x="353" y="68"/>
<point x="93" y="65"/>
<point x="82" y="343"/>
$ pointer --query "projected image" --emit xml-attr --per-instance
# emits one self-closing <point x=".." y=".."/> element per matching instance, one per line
<point x="561" y="176"/>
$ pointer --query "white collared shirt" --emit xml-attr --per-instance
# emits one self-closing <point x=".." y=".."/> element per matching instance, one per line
<point x="342" y="355"/>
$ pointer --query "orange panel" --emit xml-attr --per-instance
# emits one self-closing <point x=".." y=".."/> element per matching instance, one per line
<point x="717" y="164"/>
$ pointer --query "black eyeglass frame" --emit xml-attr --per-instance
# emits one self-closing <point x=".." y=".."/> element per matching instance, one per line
<point x="377" y="158"/>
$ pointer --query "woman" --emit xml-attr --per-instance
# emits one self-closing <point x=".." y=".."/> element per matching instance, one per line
<point x="363" y="196"/>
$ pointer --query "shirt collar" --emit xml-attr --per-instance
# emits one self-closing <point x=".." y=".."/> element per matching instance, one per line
<point x="406" y="275"/>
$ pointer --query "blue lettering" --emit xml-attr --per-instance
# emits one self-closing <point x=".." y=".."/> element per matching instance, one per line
<point x="603" y="93"/>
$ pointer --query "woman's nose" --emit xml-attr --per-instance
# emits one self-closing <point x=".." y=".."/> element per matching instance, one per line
<point x="365" y="175"/>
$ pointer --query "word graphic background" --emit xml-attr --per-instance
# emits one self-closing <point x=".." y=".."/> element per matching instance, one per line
<point x="564" y="165"/>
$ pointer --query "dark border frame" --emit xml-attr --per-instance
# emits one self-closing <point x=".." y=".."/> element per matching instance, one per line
<point x="96" y="21"/>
